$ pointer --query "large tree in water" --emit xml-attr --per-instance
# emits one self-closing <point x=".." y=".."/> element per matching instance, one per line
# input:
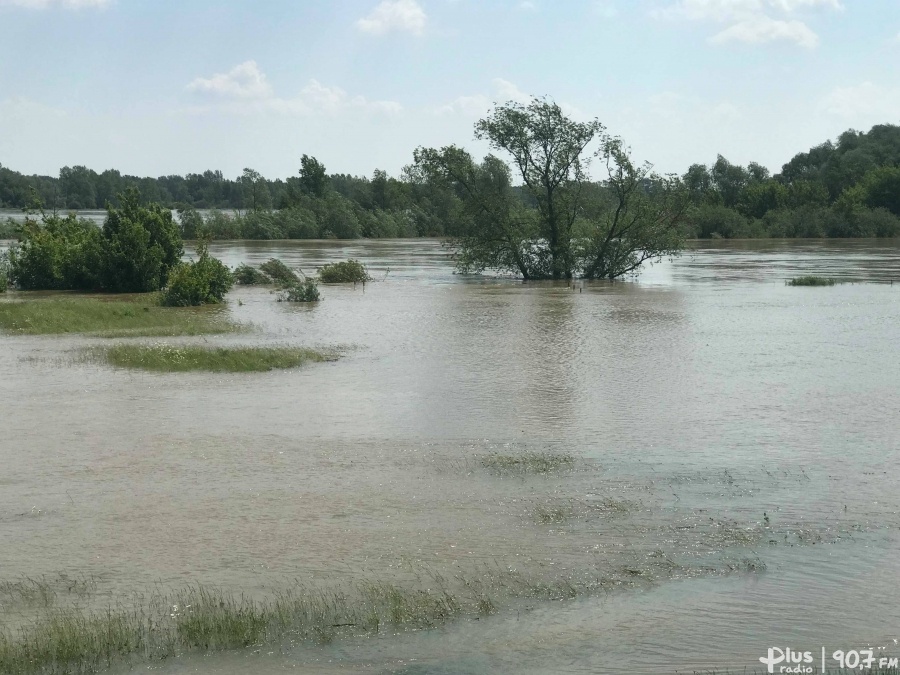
<point x="557" y="222"/>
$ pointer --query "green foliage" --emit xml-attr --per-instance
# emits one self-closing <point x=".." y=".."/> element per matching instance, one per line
<point x="313" y="180"/>
<point x="142" y="245"/>
<point x="137" y="316"/>
<point x="10" y="229"/>
<point x="278" y="271"/>
<point x="559" y="224"/>
<point x="191" y="221"/>
<point x="173" y="358"/>
<point x="203" y="282"/>
<point x="58" y="254"/>
<point x="348" y="271"/>
<point x="4" y="271"/>
<point x="811" y="281"/>
<point x="716" y="221"/>
<point x="300" y="291"/>
<point x="245" y="275"/>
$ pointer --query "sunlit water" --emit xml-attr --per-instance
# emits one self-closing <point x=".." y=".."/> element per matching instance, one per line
<point x="734" y="418"/>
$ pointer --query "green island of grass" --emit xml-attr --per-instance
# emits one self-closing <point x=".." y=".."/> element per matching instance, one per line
<point x="124" y="316"/>
<point x="812" y="281"/>
<point x="176" y="359"/>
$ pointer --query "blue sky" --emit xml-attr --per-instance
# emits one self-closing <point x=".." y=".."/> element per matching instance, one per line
<point x="155" y="87"/>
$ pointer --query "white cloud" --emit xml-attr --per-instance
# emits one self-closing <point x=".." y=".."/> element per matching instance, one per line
<point x="245" y="90"/>
<point x="760" y="29"/>
<point x="46" y="4"/>
<point x="394" y="15"/>
<point x="863" y="104"/>
<point x="727" y="10"/>
<point x="751" y="21"/>
<point x="528" y="6"/>
<point x="244" y="81"/>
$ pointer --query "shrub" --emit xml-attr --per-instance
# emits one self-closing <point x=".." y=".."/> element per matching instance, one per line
<point x="191" y="221"/>
<point x="4" y="271"/>
<point x="278" y="271"/>
<point x="10" y="229"/>
<point x="300" y="291"/>
<point x="58" y="254"/>
<point x="348" y="271"/>
<point x="245" y="275"/>
<point x="205" y="281"/>
<point x="142" y="245"/>
<point x="222" y="226"/>
<point x="714" y="222"/>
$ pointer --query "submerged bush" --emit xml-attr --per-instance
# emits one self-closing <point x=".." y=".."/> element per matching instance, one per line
<point x="278" y="271"/>
<point x="811" y="281"/>
<point x="205" y="281"/>
<point x="300" y="291"/>
<point x="10" y="229"/>
<point x="244" y="275"/>
<point x="349" y="271"/>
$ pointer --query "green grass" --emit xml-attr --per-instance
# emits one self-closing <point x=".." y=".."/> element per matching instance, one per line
<point x="174" y="359"/>
<point x="811" y="281"/>
<point x="528" y="462"/>
<point x="103" y="317"/>
<point x="70" y="640"/>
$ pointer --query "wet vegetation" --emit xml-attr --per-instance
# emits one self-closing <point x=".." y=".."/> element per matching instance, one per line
<point x="306" y="290"/>
<point x="528" y="462"/>
<point x="811" y="281"/>
<point x="201" y="282"/>
<point x="348" y="271"/>
<point x="171" y="358"/>
<point x="199" y="618"/>
<point x="278" y="272"/>
<point x="245" y="275"/>
<point x="121" y="316"/>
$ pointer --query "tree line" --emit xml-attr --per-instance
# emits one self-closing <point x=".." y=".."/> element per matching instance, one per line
<point x="846" y="188"/>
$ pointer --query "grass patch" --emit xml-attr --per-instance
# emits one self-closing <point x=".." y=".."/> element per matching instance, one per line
<point x="206" y="619"/>
<point x="528" y="462"/>
<point x="176" y="359"/>
<point x="134" y="316"/>
<point x="811" y="281"/>
<point x="346" y="272"/>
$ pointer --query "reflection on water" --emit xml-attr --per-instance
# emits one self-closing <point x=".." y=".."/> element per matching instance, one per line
<point x="737" y="418"/>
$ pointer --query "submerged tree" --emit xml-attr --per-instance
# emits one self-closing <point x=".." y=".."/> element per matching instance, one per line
<point x="577" y="227"/>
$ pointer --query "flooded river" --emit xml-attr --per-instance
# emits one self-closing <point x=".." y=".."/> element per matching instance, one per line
<point x="733" y="481"/>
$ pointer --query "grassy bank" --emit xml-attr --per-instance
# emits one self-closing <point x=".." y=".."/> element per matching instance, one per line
<point x="138" y="315"/>
<point x="171" y="359"/>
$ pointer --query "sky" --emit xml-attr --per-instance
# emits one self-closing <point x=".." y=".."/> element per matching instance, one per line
<point x="159" y="87"/>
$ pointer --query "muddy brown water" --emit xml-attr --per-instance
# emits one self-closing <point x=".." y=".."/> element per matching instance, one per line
<point x="716" y="416"/>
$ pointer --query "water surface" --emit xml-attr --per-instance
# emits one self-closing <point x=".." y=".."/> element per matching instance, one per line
<point x="734" y="417"/>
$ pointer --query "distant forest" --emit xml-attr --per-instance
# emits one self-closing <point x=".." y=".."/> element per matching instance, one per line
<point x="847" y="188"/>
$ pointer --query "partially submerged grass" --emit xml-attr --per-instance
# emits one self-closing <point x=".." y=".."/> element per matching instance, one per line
<point x="170" y="358"/>
<point x="811" y="281"/>
<point x="528" y="462"/>
<point x="207" y="619"/>
<point x="559" y="513"/>
<point x="122" y="317"/>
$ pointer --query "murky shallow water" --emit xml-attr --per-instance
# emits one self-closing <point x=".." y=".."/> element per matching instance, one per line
<point x="726" y="416"/>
